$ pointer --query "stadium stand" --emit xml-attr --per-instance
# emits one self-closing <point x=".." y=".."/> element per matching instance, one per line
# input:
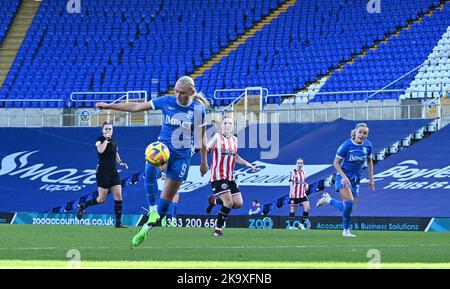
<point x="307" y="41"/>
<point x="120" y="46"/>
<point x="392" y="60"/>
<point x="8" y="10"/>
<point x="434" y="76"/>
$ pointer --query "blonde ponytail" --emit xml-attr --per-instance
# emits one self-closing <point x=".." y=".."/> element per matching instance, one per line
<point x="200" y="97"/>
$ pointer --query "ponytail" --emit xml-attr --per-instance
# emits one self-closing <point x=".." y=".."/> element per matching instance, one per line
<point x="202" y="99"/>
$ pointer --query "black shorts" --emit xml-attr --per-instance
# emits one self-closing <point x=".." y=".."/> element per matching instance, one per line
<point x="107" y="178"/>
<point x="296" y="201"/>
<point x="221" y="186"/>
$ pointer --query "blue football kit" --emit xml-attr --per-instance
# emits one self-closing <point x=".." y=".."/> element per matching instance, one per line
<point x="179" y="132"/>
<point x="354" y="158"/>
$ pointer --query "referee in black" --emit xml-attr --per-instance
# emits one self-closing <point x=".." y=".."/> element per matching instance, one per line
<point x="107" y="176"/>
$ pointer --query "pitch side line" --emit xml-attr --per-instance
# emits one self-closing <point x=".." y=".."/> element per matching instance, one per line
<point x="234" y="247"/>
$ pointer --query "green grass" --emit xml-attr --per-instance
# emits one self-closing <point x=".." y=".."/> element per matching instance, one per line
<point x="41" y="246"/>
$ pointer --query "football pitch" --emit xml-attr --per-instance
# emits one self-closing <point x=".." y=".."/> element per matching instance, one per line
<point x="43" y="246"/>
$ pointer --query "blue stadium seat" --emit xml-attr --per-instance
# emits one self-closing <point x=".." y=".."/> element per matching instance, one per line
<point x="116" y="46"/>
<point x="8" y="9"/>
<point x="392" y="59"/>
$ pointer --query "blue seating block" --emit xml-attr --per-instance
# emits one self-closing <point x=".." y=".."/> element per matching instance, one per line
<point x="118" y="46"/>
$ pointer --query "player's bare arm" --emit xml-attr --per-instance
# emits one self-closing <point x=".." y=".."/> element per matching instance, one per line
<point x="204" y="152"/>
<point x="120" y="162"/>
<point x="241" y="161"/>
<point x="337" y="166"/>
<point x="101" y="146"/>
<point x="128" y="107"/>
<point x="370" y="168"/>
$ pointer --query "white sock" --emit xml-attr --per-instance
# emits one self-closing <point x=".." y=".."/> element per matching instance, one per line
<point x="147" y="228"/>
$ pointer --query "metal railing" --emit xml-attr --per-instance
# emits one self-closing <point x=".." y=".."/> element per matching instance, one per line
<point x="122" y="95"/>
<point x="283" y="115"/>
<point x="239" y="94"/>
<point x="357" y="95"/>
<point x="297" y="113"/>
<point x="306" y="97"/>
<point x="327" y="114"/>
<point x="242" y="95"/>
<point x="127" y="96"/>
<point x="62" y="119"/>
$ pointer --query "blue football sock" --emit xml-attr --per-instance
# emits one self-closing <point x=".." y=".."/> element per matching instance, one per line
<point x="337" y="204"/>
<point x="348" y="207"/>
<point x="174" y="209"/>
<point x="151" y="183"/>
<point x="163" y="207"/>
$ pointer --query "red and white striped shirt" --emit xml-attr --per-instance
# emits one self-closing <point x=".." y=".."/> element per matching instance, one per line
<point x="298" y="187"/>
<point x="224" y="151"/>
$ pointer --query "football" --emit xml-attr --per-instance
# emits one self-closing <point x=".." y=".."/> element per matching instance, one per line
<point x="157" y="154"/>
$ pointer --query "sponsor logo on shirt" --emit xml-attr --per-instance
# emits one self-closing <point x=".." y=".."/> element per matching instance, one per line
<point x="175" y="121"/>
<point x="357" y="158"/>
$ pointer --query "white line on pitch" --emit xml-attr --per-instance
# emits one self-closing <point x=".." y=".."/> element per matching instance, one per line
<point x="233" y="247"/>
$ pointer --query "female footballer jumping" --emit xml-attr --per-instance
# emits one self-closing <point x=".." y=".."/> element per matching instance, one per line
<point x="183" y="125"/>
